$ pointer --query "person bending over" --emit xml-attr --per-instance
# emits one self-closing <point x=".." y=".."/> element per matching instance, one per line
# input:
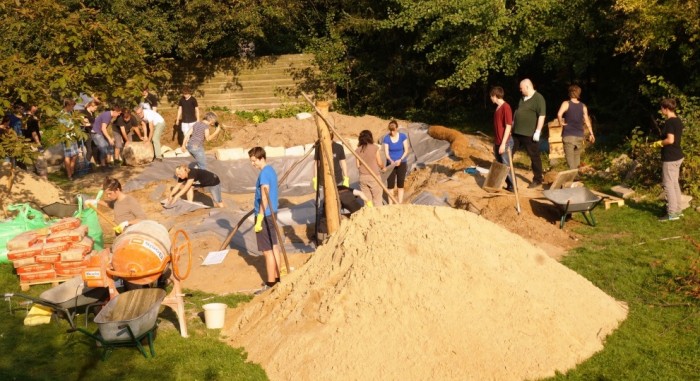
<point x="190" y="178"/>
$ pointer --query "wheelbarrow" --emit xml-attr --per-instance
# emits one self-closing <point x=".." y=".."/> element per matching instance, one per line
<point x="68" y="298"/>
<point x="127" y="320"/>
<point x="571" y="200"/>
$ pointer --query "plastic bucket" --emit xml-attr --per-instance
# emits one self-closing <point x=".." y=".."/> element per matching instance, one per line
<point x="214" y="315"/>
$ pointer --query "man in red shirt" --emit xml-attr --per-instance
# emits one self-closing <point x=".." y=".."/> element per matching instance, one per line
<point x="502" y="123"/>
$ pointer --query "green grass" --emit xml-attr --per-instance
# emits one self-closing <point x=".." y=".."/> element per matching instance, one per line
<point x="629" y="254"/>
<point x="649" y="265"/>
<point x="48" y="352"/>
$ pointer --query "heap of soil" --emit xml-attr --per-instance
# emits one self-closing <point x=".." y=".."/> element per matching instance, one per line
<point x="418" y="292"/>
<point x="289" y="132"/>
<point x="28" y="188"/>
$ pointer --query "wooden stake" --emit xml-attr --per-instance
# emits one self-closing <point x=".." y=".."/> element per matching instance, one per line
<point x="326" y="145"/>
<point x="280" y="242"/>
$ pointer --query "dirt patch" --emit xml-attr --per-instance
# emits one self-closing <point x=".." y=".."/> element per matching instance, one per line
<point x="416" y="292"/>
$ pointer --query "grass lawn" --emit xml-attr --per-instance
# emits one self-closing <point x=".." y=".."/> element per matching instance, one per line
<point x="48" y="352"/>
<point x="653" y="266"/>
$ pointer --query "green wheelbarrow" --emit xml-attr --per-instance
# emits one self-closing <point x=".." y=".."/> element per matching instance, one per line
<point x="127" y="320"/>
<point x="571" y="200"/>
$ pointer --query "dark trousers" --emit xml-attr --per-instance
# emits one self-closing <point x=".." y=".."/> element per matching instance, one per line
<point x="533" y="151"/>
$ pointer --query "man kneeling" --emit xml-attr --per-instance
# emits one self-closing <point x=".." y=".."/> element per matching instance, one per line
<point x="189" y="178"/>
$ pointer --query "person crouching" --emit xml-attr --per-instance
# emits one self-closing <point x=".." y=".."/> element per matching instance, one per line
<point x="190" y="178"/>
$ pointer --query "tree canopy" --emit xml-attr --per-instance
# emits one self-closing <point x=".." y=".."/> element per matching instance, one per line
<point x="390" y="57"/>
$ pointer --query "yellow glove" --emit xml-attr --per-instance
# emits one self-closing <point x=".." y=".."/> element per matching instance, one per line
<point x="120" y="228"/>
<point x="657" y="144"/>
<point x="314" y="183"/>
<point x="346" y="181"/>
<point x="370" y="204"/>
<point x="258" y="222"/>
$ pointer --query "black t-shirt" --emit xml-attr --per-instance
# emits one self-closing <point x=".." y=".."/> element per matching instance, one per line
<point x="32" y="126"/>
<point x="348" y="200"/>
<point x="201" y="177"/>
<point x="151" y="99"/>
<point x="120" y="122"/>
<point x="338" y="155"/>
<point x="188" y="109"/>
<point x="672" y="152"/>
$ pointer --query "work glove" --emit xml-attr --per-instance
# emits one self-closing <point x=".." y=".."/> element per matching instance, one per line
<point x="369" y="204"/>
<point x="536" y="136"/>
<point x="91" y="203"/>
<point x="120" y="228"/>
<point x="258" y="222"/>
<point x="657" y="144"/>
<point x="346" y="181"/>
<point x="314" y="183"/>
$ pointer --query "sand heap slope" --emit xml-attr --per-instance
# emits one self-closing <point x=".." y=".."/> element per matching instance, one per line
<point x="415" y="293"/>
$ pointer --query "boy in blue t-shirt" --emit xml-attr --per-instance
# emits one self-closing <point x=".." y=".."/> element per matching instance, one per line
<point x="265" y="232"/>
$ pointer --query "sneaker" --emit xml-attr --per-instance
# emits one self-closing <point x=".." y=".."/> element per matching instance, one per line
<point x="534" y="184"/>
<point x="263" y="289"/>
<point x="670" y="217"/>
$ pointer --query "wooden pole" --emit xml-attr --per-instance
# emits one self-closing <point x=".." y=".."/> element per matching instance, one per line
<point x="280" y="241"/>
<point x="347" y="144"/>
<point x="325" y="143"/>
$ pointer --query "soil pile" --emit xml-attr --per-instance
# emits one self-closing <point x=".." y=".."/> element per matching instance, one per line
<point x="417" y="292"/>
<point x="289" y="132"/>
<point x="28" y="188"/>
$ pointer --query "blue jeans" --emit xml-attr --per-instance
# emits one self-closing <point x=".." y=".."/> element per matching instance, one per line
<point x="103" y="146"/>
<point x="215" y="192"/>
<point x="503" y="159"/>
<point x="198" y="153"/>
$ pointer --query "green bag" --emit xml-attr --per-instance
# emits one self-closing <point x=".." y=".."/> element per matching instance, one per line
<point x="88" y="216"/>
<point x="27" y="218"/>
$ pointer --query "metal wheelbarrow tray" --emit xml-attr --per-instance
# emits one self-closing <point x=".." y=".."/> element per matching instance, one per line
<point x="570" y="200"/>
<point x="69" y="297"/>
<point x="127" y="319"/>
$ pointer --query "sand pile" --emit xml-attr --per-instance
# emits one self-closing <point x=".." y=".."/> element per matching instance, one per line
<point x="29" y="188"/>
<point x="417" y="292"/>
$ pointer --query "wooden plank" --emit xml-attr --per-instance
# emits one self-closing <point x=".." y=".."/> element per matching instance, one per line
<point x="609" y="200"/>
<point x="24" y="286"/>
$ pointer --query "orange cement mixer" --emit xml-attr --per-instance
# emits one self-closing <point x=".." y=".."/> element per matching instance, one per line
<point x="140" y="256"/>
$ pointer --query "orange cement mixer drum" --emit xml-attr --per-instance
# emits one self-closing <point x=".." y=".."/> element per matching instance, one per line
<point x="140" y="257"/>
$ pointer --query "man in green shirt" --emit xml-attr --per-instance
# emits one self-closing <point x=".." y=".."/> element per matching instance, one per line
<point x="527" y="126"/>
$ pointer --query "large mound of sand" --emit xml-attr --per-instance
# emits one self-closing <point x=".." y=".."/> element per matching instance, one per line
<point x="415" y="293"/>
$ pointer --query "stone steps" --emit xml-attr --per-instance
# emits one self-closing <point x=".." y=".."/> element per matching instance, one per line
<point x="262" y="84"/>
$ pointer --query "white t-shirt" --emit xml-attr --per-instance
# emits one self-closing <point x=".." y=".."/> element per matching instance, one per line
<point x="152" y="117"/>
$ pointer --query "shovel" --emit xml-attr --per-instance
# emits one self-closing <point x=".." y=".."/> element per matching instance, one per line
<point x="515" y="182"/>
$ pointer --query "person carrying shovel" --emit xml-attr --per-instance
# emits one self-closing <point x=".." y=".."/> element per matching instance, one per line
<point x="266" y="204"/>
<point x="502" y="123"/>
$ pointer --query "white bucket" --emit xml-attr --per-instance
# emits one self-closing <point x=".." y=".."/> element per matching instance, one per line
<point x="214" y="314"/>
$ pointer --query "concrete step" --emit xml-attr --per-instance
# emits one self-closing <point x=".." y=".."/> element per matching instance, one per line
<point x="248" y="85"/>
